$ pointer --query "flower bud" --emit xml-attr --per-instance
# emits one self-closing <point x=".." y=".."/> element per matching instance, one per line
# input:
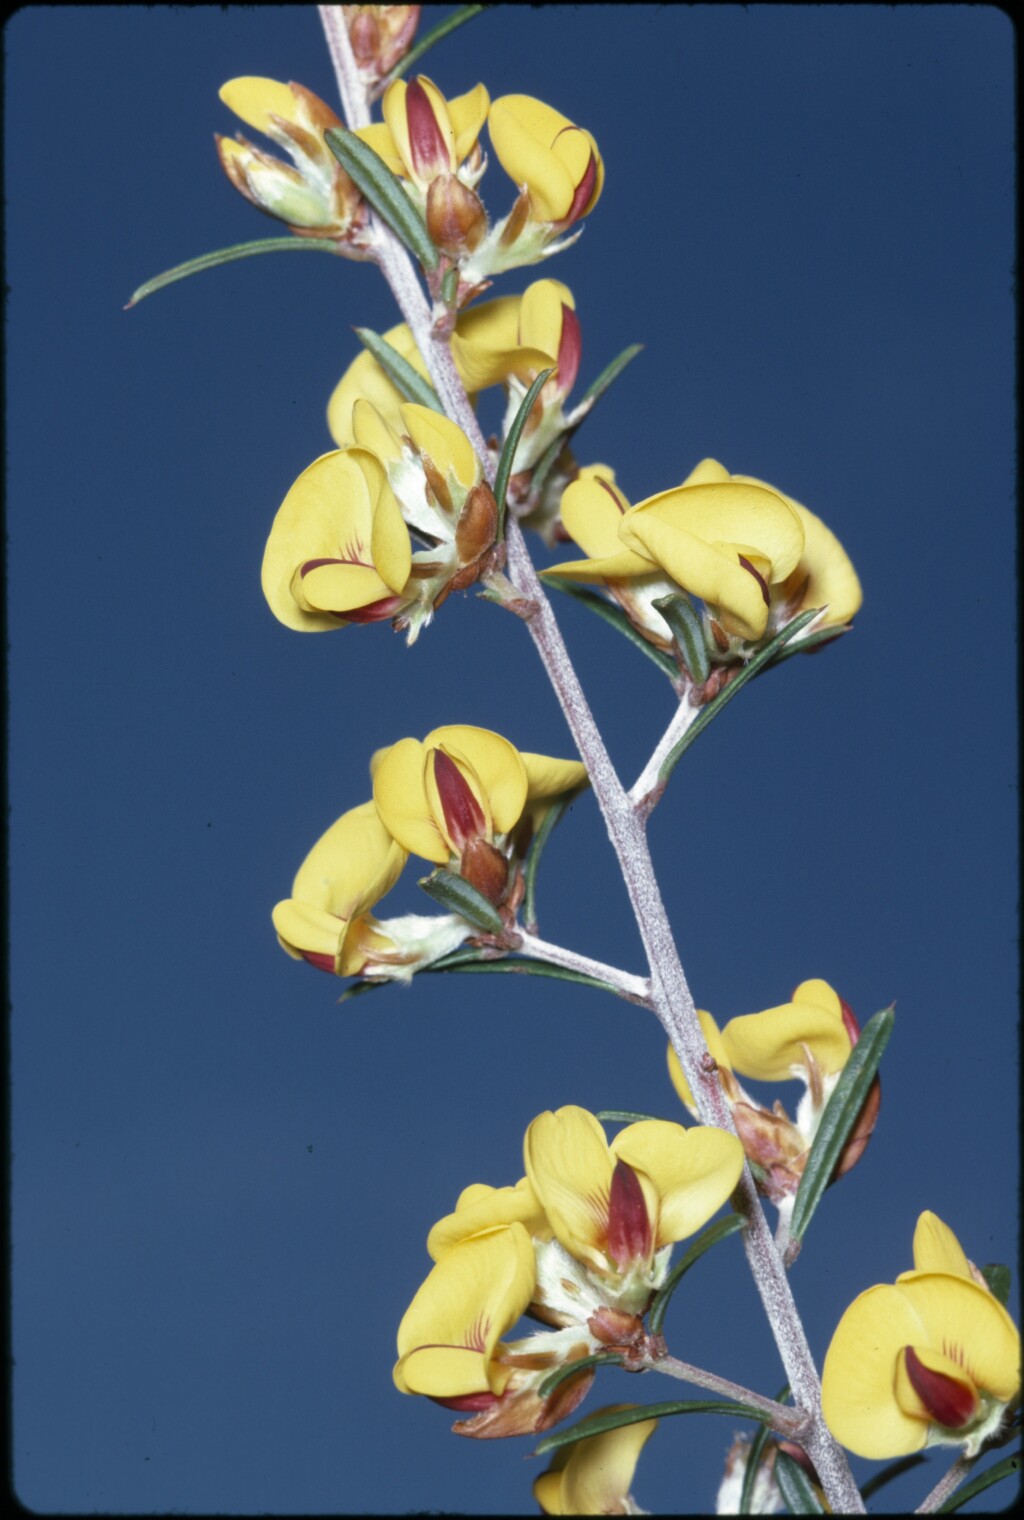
<point x="380" y="35"/>
<point x="456" y="219"/>
<point x="478" y="523"/>
<point x="485" y="867"/>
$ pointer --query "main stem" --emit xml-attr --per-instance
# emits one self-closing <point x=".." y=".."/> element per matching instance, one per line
<point x="670" y="995"/>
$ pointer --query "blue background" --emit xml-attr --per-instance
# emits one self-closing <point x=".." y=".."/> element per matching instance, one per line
<point x="222" y="1180"/>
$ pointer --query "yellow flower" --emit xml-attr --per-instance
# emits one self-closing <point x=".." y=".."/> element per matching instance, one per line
<point x="615" y="1207"/>
<point x="809" y="1038"/>
<point x="557" y="162"/>
<point x="753" y="556"/>
<point x="487" y="349"/>
<point x="338" y="550"/>
<point x="932" y="1359"/>
<point x="450" y="1344"/>
<point x="594" y="1476"/>
<point x="455" y="797"/>
<point x="315" y="198"/>
<point x="480" y="1209"/>
<point x="422" y="134"/>
<point x="326" y="919"/>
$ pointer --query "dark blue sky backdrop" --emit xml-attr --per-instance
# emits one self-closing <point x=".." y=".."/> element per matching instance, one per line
<point x="222" y="1180"/>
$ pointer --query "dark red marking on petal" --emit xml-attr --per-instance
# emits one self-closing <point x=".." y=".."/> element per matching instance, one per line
<point x="373" y="612"/>
<point x="463" y="815"/>
<point x="570" y="346"/>
<point x="850" y="1023"/>
<point x="468" y="1401"/>
<point x="321" y="962"/>
<point x="606" y="487"/>
<point x="947" y="1401"/>
<point x="584" y="190"/>
<point x="427" y="145"/>
<point x="629" y="1228"/>
<point x="759" y="578"/>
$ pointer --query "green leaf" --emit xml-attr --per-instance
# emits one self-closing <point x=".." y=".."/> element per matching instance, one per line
<point x="749" y="671"/>
<point x="384" y="191"/>
<point x="457" y="895"/>
<point x="450" y="286"/>
<point x="841" y="1113"/>
<point x="357" y="989"/>
<point x="522" y="965"/>
<point x="621" y="1116"/>
<point x="720" y="1230"/>
<point x="754" y="1456"/>
<point x="398" y="370"/>
<point x="688" y="632"/>
<point x="998" y="1279"/>
<point x="593" y="392"/>
<point x="813" y="640"/>
<point x="617" y="618"/>
<point x="570" y="1369"/>
<point x="797" y="1488"/>
<point x="466" y="13"/>
<point x="597" y="1424"/>
<point x="537" y="844"/>
<point x="508" y="448"/>
<point x="228" y="256"/>
<point x="995" y="1474"/>
<point x="894" y="1470"/>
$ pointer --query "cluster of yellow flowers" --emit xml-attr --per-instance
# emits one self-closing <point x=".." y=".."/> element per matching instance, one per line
<point x="384" y="528"/>
<point x="463" y="798"/>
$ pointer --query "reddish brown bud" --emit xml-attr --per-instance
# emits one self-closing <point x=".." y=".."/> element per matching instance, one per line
<point x="463" y="815"/>
<point x="456" y="219"/>
<point x="614" y="1327"/>
<point x="478" y="523"/>
<point x="629" y="1227"/>
<point x="948" y="1401"/>
<point x="485" y="868"/>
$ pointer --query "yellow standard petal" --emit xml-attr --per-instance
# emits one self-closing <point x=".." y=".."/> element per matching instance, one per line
<point x="824" y="575"/>
<point x="400" y="795"/>
<point x="936" y="1248"/>
<point x="443" y="442"/>
<point x="598" y="1473"/>
<point x="570" y="1169"/>
<point x="255" y="100"/>
<point x="488" y="347"/>
<point x="539" y="147"/>
<point x="473" y="1296"/>
<point x="693" y="1171"/>
<point x="773" y="1045"/>
<point x="365" y="380"/>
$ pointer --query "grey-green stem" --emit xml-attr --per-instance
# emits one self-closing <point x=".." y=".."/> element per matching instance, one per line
<point x="670" y="994"/>
<point x="784" y="1418"/>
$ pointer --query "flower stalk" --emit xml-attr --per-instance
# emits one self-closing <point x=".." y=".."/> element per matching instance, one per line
<point x="670" y="996"/>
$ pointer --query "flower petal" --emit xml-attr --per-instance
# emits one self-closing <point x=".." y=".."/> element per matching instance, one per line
<point x="547" y="777"/>
<point x="693" y="1171"/>
<point x="769" y="1046"/>
<point x="365" y="380"/>
<point x="968" y="1323"/>
<point x="467" y="114"/>
<point x="824" y="575"/>
<point x="858" y="1396"/>
<point x="936" y="1248"/>
<point x="599" y="1473"/>
<point x="716" y="1049"/>
<point x="400" y="795"/>
<point x="592" y="508"/>
<point x="255" y="100"/>
<point x="570" y="1169"/>
<point x="487" y="349"/>
<point x="496" y="762"/>
<point x="481" y="1208"/>
<point x="474" y="1294"/>
<point x="443" y="441"/>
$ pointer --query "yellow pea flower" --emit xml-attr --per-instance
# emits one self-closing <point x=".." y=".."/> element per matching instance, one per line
<point x="752" y="555"/>
<point x="615" y="1208"/>
<point x="487" y="350"/>
<point x="348" y="871"/>
<point x="933" y="1359"/>
<point x="450" y="1344"/>
<point x="481" y="1209"/>
<point x="338" y="550"/>
<point x="594" y="1476"/>
<point x="557" y="162"/>
<point x="313" y="195"/>
<point x="456" y="796"/>
<point x="423" y="135"/>
<point x="809" y="1038"/>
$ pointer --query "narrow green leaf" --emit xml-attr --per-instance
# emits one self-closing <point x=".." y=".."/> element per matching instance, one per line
<point x="621" y="1116"/>
<point x="611" y="372"/>
<point x="597" y="1424"/>
<point x="894" y="1470"/>
<point x="613" y="614"/>
<point x="688" y="632"/>
<point x="813" y="640"/>
<point x="592" y="394"/>
<point x="537" y="844"/>
<point x="750" y="670"/>
<point x="998" y="1279"/>
<point x="508" y="448"/>
<point x="797" y="1488"/>
<point x="384" y="191"/>
<point x="995" y="1474"/>
<point x="458" y="896"/>
<point x="522" y="965"/>
<point x="754" y="1456"/>
<point x="466" y="13"/>
<point x="408" y="380"/>
<point x="357" y="989"/>
<point x="839" y="1118"/>
<point x="570" y="1369"/>
<point x="228" y="256"/>
<point x="720" y="1230"/>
